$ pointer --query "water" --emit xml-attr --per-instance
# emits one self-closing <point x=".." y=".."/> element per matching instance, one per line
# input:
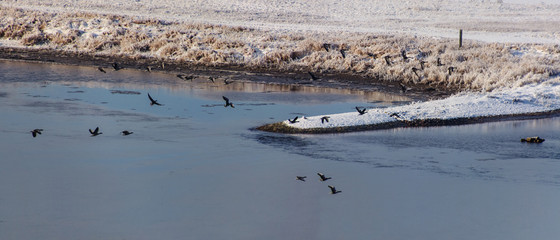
<point x="194" y="169"/>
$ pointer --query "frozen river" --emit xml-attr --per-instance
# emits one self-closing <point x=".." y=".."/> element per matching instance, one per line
<point x="194" y="169"/>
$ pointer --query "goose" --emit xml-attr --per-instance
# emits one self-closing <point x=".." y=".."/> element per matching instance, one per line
<point x="95" y="132"/>
<point x="415" y="71"/>
<point x="404" y="88"/>
<point x="301" y="178"/>
<point x="125" y="133"/>
<point x="343" y="52"/>
<point x="439" y="62"/>
<point x="450" y="70"/>
<point x="422" y="64"/>
<point x="116" y="66"/>
<point x="322" y="177"/>
<point x="152" y="101"/>
<point x="185" y="77"/>
<point x="228" y="103"/>
<point x="361" y="111"/>
<point x="212" y="79"/>
<point x="293" y="120"/>
<point x="387" y="60"/>
<point x="403" y="54"/>
<point x="313" y="77"/>
<point x="36" y="131"/>
<point x="101" y="69"/>
<point x="326" y="46"/>
<point x="333" y="190"/>
<point x="148" y="69"/>
<point x="325" y="119"/>
<point x="226" y="82"/>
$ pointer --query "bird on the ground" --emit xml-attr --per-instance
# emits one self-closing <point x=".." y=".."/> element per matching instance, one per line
<point x="116" y="66"/>
<point x="450" y="70"/>
<point x="439" y="62"/>
<point x="101" y="69"/>
<point x="373" y="55"/>
<point x="404" y="88"/>
<point x="343" y="52"/>
<point x="325" y="119"/>
<point x="185" y="77"/>
<point x="95" y="132"/>
<point x="326" y="46"/>
<point x="422" y="62"/>
<point x="333" y="190"/>
<point x="226" y="82"/>
<point x="126" y="132"/>
<point x="313" y="77"/>
<point x="212" y="79"/>
<point x="153" y="102"/>
<point x="414" y="70"/>
<point x="361" y="111"/>
<point x="36" y="131"/>
<point x="403" y="54"/>
<point x="387" y="60"/>
<point x="301" y="178"/>
<point x="322" y="177"/>
<point x="293" y="120"/>
<point x="228" y="103"/>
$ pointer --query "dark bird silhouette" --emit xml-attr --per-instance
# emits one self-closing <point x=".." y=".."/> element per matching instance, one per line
<point x="148" y="69"/>
<point x="116" y="66"/>
<point x="125" y="133"/>
<point x="212" y="79"/>
<point x="36" y="131"/>
<point x="361" y="111"/>
<point x="343" y="52"/>
<point x="153" y="102"/>
<point x="293" y="120"/>
<point x="439" y="64"/>
<point x="101" y="69"/>
<point x="422" y="64"/>
<point x="326" y="46"/>
<point x="95" y="132"/>
<point x="403" y="54"/>
<point x="226" y="82"/>
<point x="333" y="190"/>
<point x="404" y="88"/>
<point x="387" y="60"/>
<point x="325" y="119"/>
<point x="313" y="77"/>
<point x="322" y="177"/>
<point x="301" y="178"/>
<point x="415" y="71"/>
<point x="450" y="70"/>
<point x="373" y="55"/>
<point x="228" y="103"/>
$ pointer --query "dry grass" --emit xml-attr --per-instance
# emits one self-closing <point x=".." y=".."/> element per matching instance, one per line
<point x="476" y="66"/>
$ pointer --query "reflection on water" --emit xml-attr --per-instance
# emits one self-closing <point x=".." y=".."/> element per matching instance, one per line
<point x="195" y="168"/>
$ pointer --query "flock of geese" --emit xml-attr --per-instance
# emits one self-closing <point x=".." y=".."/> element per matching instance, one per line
<point x="322" y="178"/>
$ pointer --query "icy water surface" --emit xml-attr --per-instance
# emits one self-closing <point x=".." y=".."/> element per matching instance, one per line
<point x="194" y="169"/>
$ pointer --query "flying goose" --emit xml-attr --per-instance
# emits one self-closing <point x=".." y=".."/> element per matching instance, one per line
<point x="228" y="103"/>
<point x="301" y="178"/>
<point x="101" y="69"/>
<point x="293" y="120"/>
<point x="36" y="131"/>
<point x="152" y="101"/>
<point x="226" y="82"/>
<point x="439" y="62"/>
<point x="322" y="177"/>
<point x="95" y="132"/>
<point x="325" y="119"/>
<point x="212" y="79"/>
<point x="126" y="132"/>
<point x="333" y="190"/>
<point x="361" y="111"/>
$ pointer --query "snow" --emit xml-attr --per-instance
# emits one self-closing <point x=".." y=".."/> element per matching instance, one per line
<point x="509" y="64"/>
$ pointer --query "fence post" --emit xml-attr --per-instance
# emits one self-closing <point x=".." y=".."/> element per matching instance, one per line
<point x="460" y="38"/>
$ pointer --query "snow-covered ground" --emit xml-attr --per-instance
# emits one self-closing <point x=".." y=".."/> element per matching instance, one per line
<point x="509" y="63"/>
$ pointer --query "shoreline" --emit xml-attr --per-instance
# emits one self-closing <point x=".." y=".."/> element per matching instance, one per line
<point x="267" y="76"/>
